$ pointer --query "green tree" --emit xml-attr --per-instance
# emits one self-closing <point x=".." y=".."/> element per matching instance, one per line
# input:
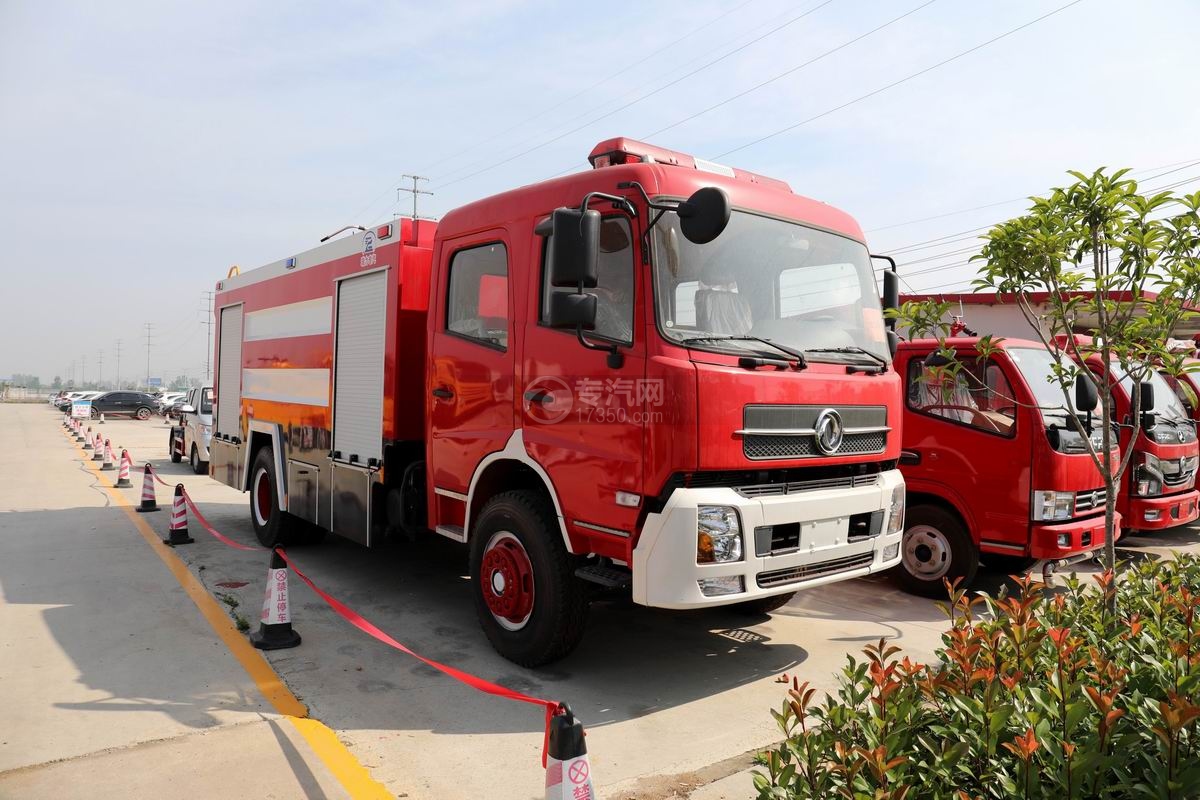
<point x="1120" y="266"/>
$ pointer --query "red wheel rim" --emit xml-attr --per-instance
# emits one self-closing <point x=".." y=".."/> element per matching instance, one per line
<point x="506" y="580"/>
<point x="262" y="497"/>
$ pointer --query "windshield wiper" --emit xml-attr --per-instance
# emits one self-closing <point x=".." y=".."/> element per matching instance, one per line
<point x="851" y="349"/>
<point x="801" y="361"/>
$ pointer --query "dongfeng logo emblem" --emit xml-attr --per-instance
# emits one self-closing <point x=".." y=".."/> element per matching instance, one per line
<point x="829" y="431"/>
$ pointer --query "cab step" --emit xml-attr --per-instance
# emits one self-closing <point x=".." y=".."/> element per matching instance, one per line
<point x="609" y="576"/>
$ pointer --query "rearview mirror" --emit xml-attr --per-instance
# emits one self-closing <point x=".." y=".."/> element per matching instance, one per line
<point x="704" y="215"/>
<point x="185" y="409"/>
<point x="572" y="310"/>
<point x="1149" y="420"/>
<point x="1086" y="397"/>
<point x="574" y="248"/>
<point x="891" y="292"/>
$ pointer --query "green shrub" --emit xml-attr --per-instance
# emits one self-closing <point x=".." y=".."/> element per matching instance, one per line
<point x="1038" y="694"/>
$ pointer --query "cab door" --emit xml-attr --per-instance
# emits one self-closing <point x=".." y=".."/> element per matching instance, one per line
<point x="967" y="438"/>
<point x="470" y="403"/>
<point x="583" y="416"/>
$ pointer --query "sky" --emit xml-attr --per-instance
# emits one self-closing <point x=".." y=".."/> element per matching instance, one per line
<point x="145" y="147"/>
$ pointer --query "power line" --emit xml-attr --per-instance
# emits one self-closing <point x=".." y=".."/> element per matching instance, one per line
<point x="640" y="98"/>
<point x="896" y="83"/>
<point x="794" y="69"/>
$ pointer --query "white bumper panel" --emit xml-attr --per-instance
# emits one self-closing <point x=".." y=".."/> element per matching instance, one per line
<point x="665" y="572"/>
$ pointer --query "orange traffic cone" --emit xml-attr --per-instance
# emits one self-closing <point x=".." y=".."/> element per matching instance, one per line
<point x="98" y="448"/>
<point x="178" y="531"/>
<point x="149" y="503"/>
<point x="123" y="474"/>
<point x="275" y="630"/>
<point x="568" y="773"/>
<point x="87" y="440"/>
<point x="107" y="466"/>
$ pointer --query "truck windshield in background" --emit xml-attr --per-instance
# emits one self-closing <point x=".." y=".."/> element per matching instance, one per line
<point x="764" y="278"/>
<point x="1166" y="403"/>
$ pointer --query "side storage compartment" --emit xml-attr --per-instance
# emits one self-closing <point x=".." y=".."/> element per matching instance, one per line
<point x="303" y="496"/>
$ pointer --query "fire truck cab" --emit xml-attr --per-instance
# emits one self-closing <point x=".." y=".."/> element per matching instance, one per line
<point x="993" y="467"/>
<point x="660" y="376"/>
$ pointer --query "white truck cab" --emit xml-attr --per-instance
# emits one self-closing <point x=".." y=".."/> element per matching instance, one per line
<point x="190" y="438"/>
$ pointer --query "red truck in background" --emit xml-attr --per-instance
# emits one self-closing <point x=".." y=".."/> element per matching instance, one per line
<point x="1158" y="489"/>
<point x="662" y="375"/>
<point x="1186" y="387"/>
<point x="992" y="465"/>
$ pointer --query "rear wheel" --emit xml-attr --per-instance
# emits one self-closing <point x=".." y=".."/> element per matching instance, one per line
<point x="272" y="525"/>
<point x="199" y="467"/>
<point x="936" y="548"/>
<point x="527" y="598"/>
<point x="763" y="605"/>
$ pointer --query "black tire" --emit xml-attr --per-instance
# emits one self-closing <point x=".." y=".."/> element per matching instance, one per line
<point x="93" y="413"/>
<point x="511" y="524"/>
<point x="176" y="456"/>
<point x="142" y="413"/>
<point x="762" y="605"/>
<point x="199" y="467"/>
<point x="272" y="525"/>
<point x="936" y="548"/>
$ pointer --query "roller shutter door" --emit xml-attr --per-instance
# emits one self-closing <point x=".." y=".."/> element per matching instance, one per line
<point x="229" y="372"/>
<point x="358" y="367"/>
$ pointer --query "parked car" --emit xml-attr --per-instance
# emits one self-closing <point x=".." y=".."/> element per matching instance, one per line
<point x="65" y="401"/>
<point x="166" y="400"/>
<point x="130" y="404"/>
<point x="191" y="436"/>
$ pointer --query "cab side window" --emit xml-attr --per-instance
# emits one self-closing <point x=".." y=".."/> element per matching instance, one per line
<point x="977" y="394"/>
<point x="477" y="295"/>
<point x="614" y="284"/>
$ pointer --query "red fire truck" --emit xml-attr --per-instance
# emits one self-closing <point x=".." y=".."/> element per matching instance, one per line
<point x="992" y="464"/>
<point x="1186" y="386"/>
<point x="662" y="375"/>
<point x="1158" y="489"/>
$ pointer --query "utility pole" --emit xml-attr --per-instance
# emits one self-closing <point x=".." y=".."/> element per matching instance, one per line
<point x="82" y="370"/>
<point x="100" y="369"/>
<point x="208" y="323"/>
<point x="118" y="364"/>
<point x="414" y="191"/>
<point x="149" y="338"/>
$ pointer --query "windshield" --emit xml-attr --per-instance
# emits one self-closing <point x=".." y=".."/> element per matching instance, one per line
<point x="1036" y="366"/>
<point x="1166" y="403"/>
<point x="802" y="288"/>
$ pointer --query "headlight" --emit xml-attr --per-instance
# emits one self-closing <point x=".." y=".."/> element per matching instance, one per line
<point x="1148" y="480"/>
<point x="1048" y="506"/>
<point x="896" y="510"/>
<point x="718" y="535"/>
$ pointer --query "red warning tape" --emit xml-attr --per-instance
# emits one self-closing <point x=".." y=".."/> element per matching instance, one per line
<point x="357" y="620"/>
<point x="154" y="472"/>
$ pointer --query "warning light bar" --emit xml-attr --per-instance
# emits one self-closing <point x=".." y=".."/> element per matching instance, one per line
<point x="614" y="152"/>
<point x="383" y="232"/>
<point x="290" y="263"/>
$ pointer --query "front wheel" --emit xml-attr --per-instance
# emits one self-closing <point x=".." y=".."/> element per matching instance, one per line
<point x="143" y="413"/>
<point x="527" y="598"/>
<point x="272" y="525"/>
<point x="173" y="447"/>
<point x="936" y="548"/>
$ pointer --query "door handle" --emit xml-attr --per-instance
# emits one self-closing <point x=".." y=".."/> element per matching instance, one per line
<point x="910" y="457"/>
<point x="443" y="393"/>
<point x="539" y="396"/>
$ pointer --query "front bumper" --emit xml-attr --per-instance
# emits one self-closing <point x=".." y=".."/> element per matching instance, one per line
<point x="666" y="575"/>
<point x="1084" y="535"/>
<point x="1168" y="511"/>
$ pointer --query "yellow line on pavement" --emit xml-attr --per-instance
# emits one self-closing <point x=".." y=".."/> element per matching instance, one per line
<point x="351" y="774"/>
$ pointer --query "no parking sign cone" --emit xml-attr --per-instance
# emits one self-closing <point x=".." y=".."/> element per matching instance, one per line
<point x="178" y="531"/>
<point x="87" y="440"/>
<point x="107" y="466"/>
<point x="98" y="448"/>
<point x="79" y="432"/>
<point x="568" y="773"/>
<point x="275" y="632"/>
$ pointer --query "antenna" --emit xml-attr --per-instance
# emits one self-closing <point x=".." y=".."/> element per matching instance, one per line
<point x="414" y="191"/>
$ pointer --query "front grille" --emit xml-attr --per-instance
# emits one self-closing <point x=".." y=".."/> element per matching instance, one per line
<point x="1178" y="471"/>
<point x="798" y="487"/>
<point x="759" y="446"/>
<point x="779" y="577"/>
<point x="1089" y="501"/>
